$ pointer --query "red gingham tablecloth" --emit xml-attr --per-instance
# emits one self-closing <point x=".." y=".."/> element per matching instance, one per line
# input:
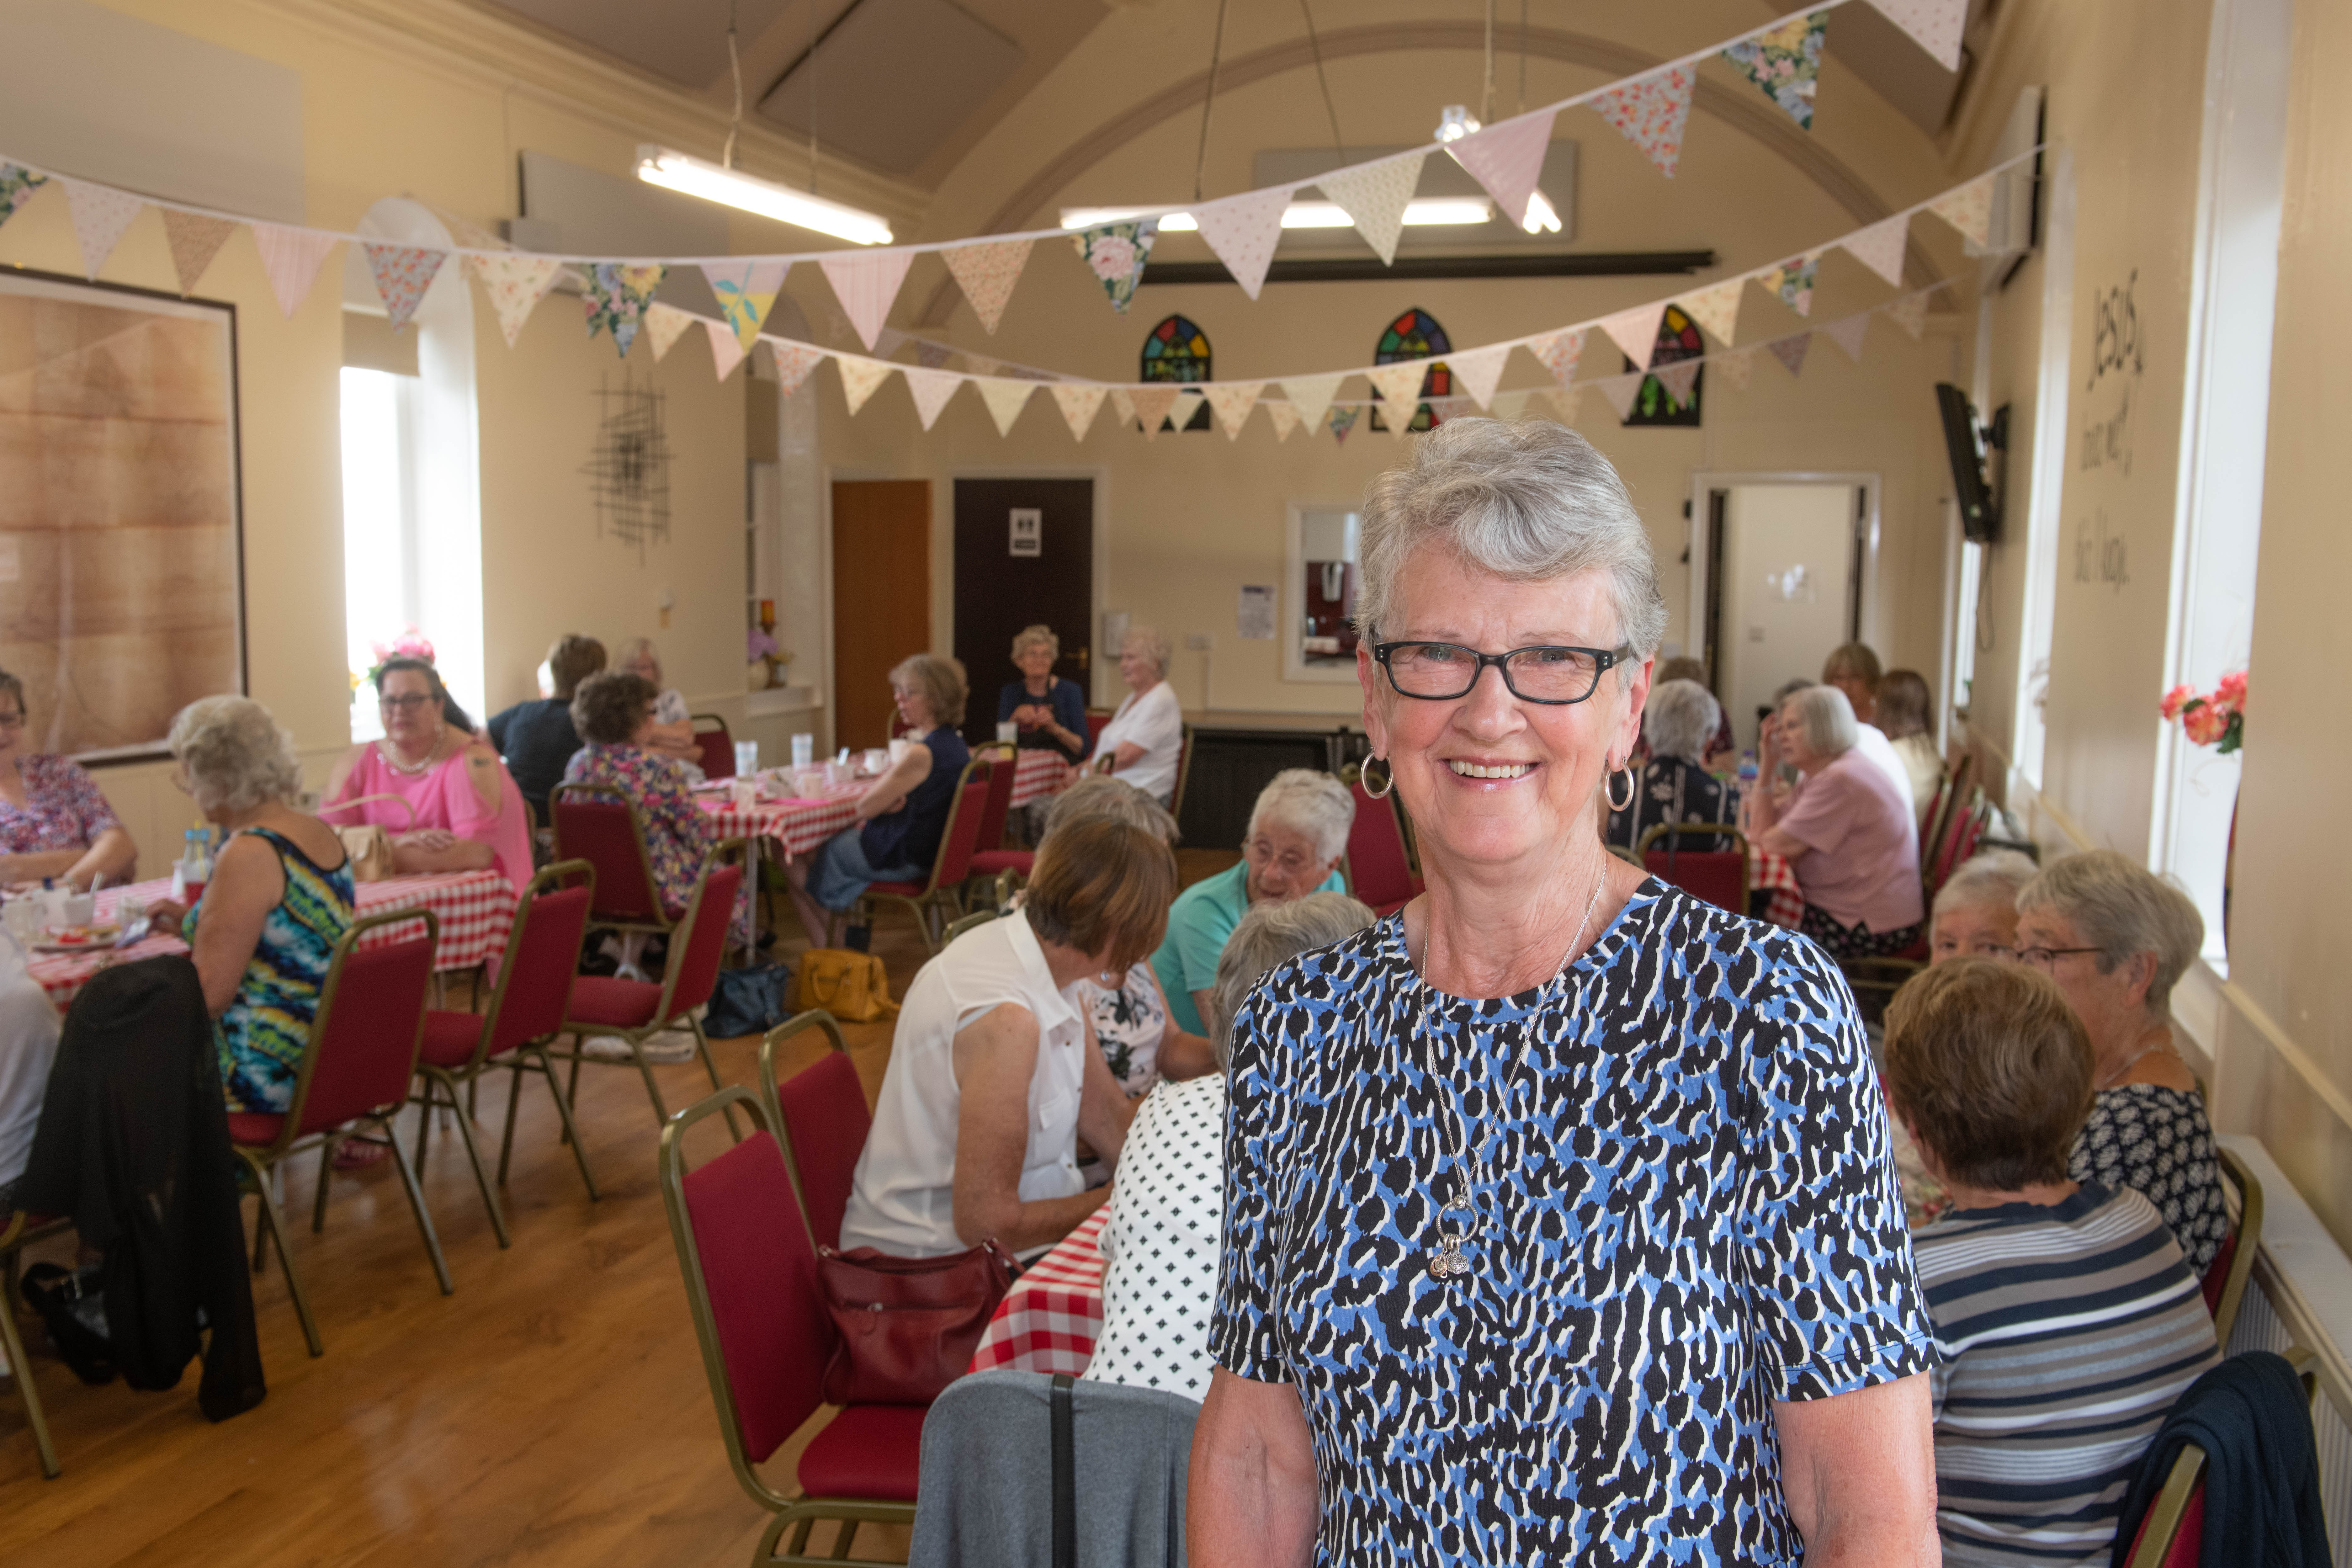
<point x="1051" y="1318"/>
<point x="799" y="825"/>
<point x="475" y="909"/>
<point x="1768" y="872"/>
<point x="1037" y="775"/>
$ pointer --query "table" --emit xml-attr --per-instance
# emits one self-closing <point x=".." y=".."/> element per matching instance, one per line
<point x="1771" y="873"/>
<point x="1035" y="775"/>
<point x="799" y="825"/>
<point x="1051" y="1318"/>
<point x="475" y="907"/>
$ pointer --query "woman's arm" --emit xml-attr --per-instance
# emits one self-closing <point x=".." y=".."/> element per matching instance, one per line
<point x="995" y="1057"/>
<point x="245" y="886"/>
<point x="37" y="864"/>
<point x="1182" y="1054"/>
<point x="673" y="739"/>
<point x="1252" y="1498"/>
<point x="111" y="852"/>
<point x="338" y="780"/>
<point x="1858" y="1470"/>
<point x="889" y="792"/>
<point x="437" y="850"/>
<point x="1103" y="1109"/>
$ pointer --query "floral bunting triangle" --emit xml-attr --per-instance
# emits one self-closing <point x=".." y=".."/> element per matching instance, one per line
<point x="616" y="298"/>
<point x="1792" y="280"/>
<point x="1785" y="62"/>
<point x="195" y="240"/>
<point x="861" y="377"/>
<point x="1340" y="421"/>
<point x="1006" y="397"/>
<point x="794" y="363"/>
<point x="1649" y="113"/>
<point x="1968" y="209"/>
<point x="17" y="184"/>
<point x="726" y="348"/>
<point x="1679" y="378"/>
<point x="101" y="214"/>
<point x="1717" y="308"/>
<point x="1242" y="232"/>
<point x="1558" y="352"/>
<point x="664" y="326"/>
<point x="1151" y="406"/>
<point x="1507" y="160"/>
<point x="516" y="284"/>
<point x="1115" y="253"/>
<point x="1399" y="383"/>
<point x="1122" y="403"/>
<point x="745" y="291"/>
<point x="931" y="389"/>
<point x="1910" y="313"/>
<point x="867" y="284"/>
<point x="402" y="274"/>
<point x="1567" y="402"/>
<point x="1847" y="335"/>
<point x="1735" y="368"/>
<point x="1635" y="331"/>
<point x="1374" y="199"/>
<point x="1880" y="247"/>
<point x="1936" y="26"/>
<point x="1311" y="395"/>
<point x="1790" y="352"/>
<point x="1619" y="391"/>
<point x="986" y="274"/>
<point x="1079" y="402"/>
<point x="1285" y="415"/>
<point x="1479" y="370"/>
<point x="289" y="258"/>
<point x="1232" y="400"/>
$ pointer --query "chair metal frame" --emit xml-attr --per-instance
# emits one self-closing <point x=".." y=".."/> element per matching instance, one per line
<point x="18" y="1233"/>
<point x="773" y="1102"/>
<point x="802" y="1511"/>
<point x="2160" y="1525"/>
<point x="1718" y="829"/>
<point x="941" y="895"/>
<point x="2246" y="1238"/>
<point x="1353" y="778"/>
<point x="527" y="1056"/>
<point x="254" y="1161"/>
<point x="972" y="921"/>
<point x="658" y="923"/>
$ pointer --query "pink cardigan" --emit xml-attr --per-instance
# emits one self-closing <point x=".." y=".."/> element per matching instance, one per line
<point x="445" y="797"/>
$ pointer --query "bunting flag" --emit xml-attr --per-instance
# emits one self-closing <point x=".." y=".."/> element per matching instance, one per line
<point x="17" y="184"/>
<point x="1558" y="352"/>
<point x="195" y="240"/>
<point x="986" y="274"/>
<point x="1243" y="231"/>
<point x="664" y="324"/>
<point x="1619" y="391"/>
<point x="1312" y="395"/>
<point x="1374" y="199"/>
<point x="745" y="291"/>
<point x="1910" y="313"/>
<point x="1934" y="25"/>
<point x="1285" y="415"/>
<point x="932" y="388"/>
<point x="1079" y="402"/>
<point x="516" y="284"/>
<point x="930" y="355"/>
<point x="1399" y="384"/>
<point x="616" y="298"/>
<point x="1122" y="403"/>
<point x="403" y="273"/>
<point x="1679" y="378"/>
<point x="1567" y="402"/>
<point x="1717" y="308"/>
<point x="101" y="214"/>
<point x="1479" y="370"/>
<point x="1790" y="352"/>
<point x="1735" y="368"/>
<point x="289" y="258"/>
<point x="1507" y="159"/>
<point x="1785" y="62"/>
<point x="1792" y="280"/>
<point x="981" y="364"/>
<point x="1880" y="247"/>
<point x="1968" y="209"/>
<point x="1650" y="111"/>
<point x="1847" y="335"/>
<point x="1636" y="332"/>
<point x="1152" y="404"/>
<point x="1512" y="406"/>
<point x="867" y="284"/>
<point x="860" y="377"/>
<point x="1232" y="400"/>
<point x="1006" y="397"/>
<point x="794" y="363"/>
<point x="1341" y="421"/>
<point x="727" y="349"/>
<point x="1115" y="253"/>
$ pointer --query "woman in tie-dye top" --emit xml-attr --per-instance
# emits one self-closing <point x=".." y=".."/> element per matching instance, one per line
<point x="263" y="932"/>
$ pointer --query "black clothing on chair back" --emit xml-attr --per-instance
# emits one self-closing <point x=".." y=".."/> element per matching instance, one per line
<point x="2261" y="1467"/>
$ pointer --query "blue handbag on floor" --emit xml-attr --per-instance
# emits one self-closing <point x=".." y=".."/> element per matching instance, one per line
<point x="748" y="1001"/>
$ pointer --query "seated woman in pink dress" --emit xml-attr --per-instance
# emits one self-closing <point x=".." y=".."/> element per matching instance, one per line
<point x="468" y="814"/>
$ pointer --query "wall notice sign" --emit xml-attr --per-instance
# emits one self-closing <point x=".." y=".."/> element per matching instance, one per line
<point x="1028" y="531"/>
<point x="1256" y="613"/>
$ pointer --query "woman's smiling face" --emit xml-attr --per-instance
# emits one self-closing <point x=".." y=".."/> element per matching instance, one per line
<point x="1492" y="777"/>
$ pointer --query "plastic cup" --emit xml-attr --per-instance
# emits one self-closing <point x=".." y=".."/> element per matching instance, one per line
<point x="747" y="757"/>
<point x="804" y="750"/>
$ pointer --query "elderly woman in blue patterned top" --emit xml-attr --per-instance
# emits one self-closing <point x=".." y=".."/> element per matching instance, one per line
<point x="1559" y="1225"/>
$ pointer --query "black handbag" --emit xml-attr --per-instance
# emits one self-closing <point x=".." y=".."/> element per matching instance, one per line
<point x="748" y="1001"/>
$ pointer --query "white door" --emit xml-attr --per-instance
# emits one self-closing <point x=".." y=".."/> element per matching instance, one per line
<point x="1787" y="591"/>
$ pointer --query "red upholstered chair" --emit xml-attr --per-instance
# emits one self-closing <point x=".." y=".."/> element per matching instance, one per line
<point x="526" y="1012"/>
<point x="1718" y="875"/>
<point x="751" y="1283"/>
<point x="2226" y="1276"/>
<point x="1183" y="772"/>
<point x="933" y="903"/>
<point x="2172" y="1531"/>
<point x="18" y="1230"/>
<point x="989" y="859"/>
<point x="718" y="757"/>
<point x="355" y="1072"/>
<point x="597" y="823"/>
<point x="820" y="1116"/>
<point x="1378" y="869"/>
<point x="635" y="1010"/>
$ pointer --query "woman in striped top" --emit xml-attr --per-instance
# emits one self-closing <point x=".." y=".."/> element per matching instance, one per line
<point x="2066" y="1317"/>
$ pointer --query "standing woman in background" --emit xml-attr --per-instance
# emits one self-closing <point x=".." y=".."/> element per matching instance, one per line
<point x="53" y="820"/>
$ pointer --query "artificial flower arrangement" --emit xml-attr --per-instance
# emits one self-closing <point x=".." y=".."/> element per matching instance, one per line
<point x="2215" y="718"/>
<point x="410" y="644"/>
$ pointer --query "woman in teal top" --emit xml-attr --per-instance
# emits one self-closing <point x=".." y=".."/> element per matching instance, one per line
<point x="263" y="934"/>
<point x="1297" y="836"/>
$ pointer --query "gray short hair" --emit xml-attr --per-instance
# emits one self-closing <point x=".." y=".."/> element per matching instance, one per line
<point x="1528" y="502"/>
<point x="1270" y="934"/>
<point x="1314" y="803"/>
<point x="1160" y="650"/>
<point x="1680" y="720"/>
<point x="1826" y="718"/>
<point x="1099" y="797"/>
<point x="2120" y="907"/>
<point x="234" y="755"/>
<point x="1994" y="876"/>
<point x="1040" y="635"/>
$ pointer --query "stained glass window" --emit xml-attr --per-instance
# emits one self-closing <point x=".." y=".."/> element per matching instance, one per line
<point x="1416" y="335"/>
<point x="1655" y="403"/>
<point x="1176" y="350"/>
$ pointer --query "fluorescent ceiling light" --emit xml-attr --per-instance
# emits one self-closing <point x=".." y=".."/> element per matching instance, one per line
<point x="1421" y="212"/>
<point x="732" y="187"/>
<point x="1434" y="210"/>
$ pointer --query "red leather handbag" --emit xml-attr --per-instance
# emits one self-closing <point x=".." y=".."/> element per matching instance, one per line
<point x="907" y="1327"/>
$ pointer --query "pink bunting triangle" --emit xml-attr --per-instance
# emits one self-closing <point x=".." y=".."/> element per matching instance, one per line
<point x="726" y="348"/>
<point x="1847" y="335"/>
<point x="1152" y="404"/>
<point x="195" y="240"/>
<point x="1243" y="231"/>
<point x="986" y="274"/>
<point x="1567" y="402"/>
<point x="794" y="363"/>
<point x="1558" y="352"/>
<point x="1968" y="209"/>
<point x="101" y="214"/>
<point x="401" y="273"/>
<point x="1399" y="383"/>
<point x="1678" y="378"/>
<point x="1635" y="331"/>
<point x="1232" y="400"/>
<point x="1478" y="371"/>
<point x="289" y="258"/>
<point x="1936" y="26"/>
<point x="1736" y="368"/>
<point x="1284" y="413"/>
<point x="1790" y="352"/>
<point x="1079" y="402"/>
<point x="1507" y="159"/>
<point x="1649" y="113"/>
<point x="1619" y="391"/>
<point x="861" y="377"/>
<point x="867" y="284"/>
<point x="932" y="388"/>
<point x="1910" y="313"/>
<point x="1122" y="403"/>
<point x="516" y="284"/>
<point x="1880" y="247"/>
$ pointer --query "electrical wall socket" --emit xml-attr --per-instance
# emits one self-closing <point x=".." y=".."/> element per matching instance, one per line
<point x="1200" y="642"/>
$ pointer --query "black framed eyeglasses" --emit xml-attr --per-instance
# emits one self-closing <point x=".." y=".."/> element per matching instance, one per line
<point x="1441" y="671"/>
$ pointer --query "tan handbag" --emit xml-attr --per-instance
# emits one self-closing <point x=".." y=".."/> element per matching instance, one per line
<point x="368" y="849"/>
<point x="852" y="986"/>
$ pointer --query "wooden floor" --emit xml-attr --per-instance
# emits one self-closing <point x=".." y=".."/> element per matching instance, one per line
<point x="553" y="1411"/>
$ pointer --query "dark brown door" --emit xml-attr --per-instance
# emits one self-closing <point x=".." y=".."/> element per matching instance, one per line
<point x="881" y="598"/>
<point x="997" y="593"/>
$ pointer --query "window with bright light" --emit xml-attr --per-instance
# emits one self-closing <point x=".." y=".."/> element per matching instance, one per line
<point x="381" y="596"/>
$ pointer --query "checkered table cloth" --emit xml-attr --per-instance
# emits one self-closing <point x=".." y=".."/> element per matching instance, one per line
<point x="1050" y="1318"/>
<point x="799" y="825"/>
<point x="1037" y="774"/>
<point x="1771" y="873"/>
<point x="475" y="907"/>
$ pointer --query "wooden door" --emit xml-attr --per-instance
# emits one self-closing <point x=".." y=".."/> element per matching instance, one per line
<point x="997" y="593"/>
<point x="881" y="598"/>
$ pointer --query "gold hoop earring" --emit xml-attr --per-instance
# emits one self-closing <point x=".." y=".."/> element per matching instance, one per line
<point x="1388" y="777"/>
<point x="1609" y="787"/>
